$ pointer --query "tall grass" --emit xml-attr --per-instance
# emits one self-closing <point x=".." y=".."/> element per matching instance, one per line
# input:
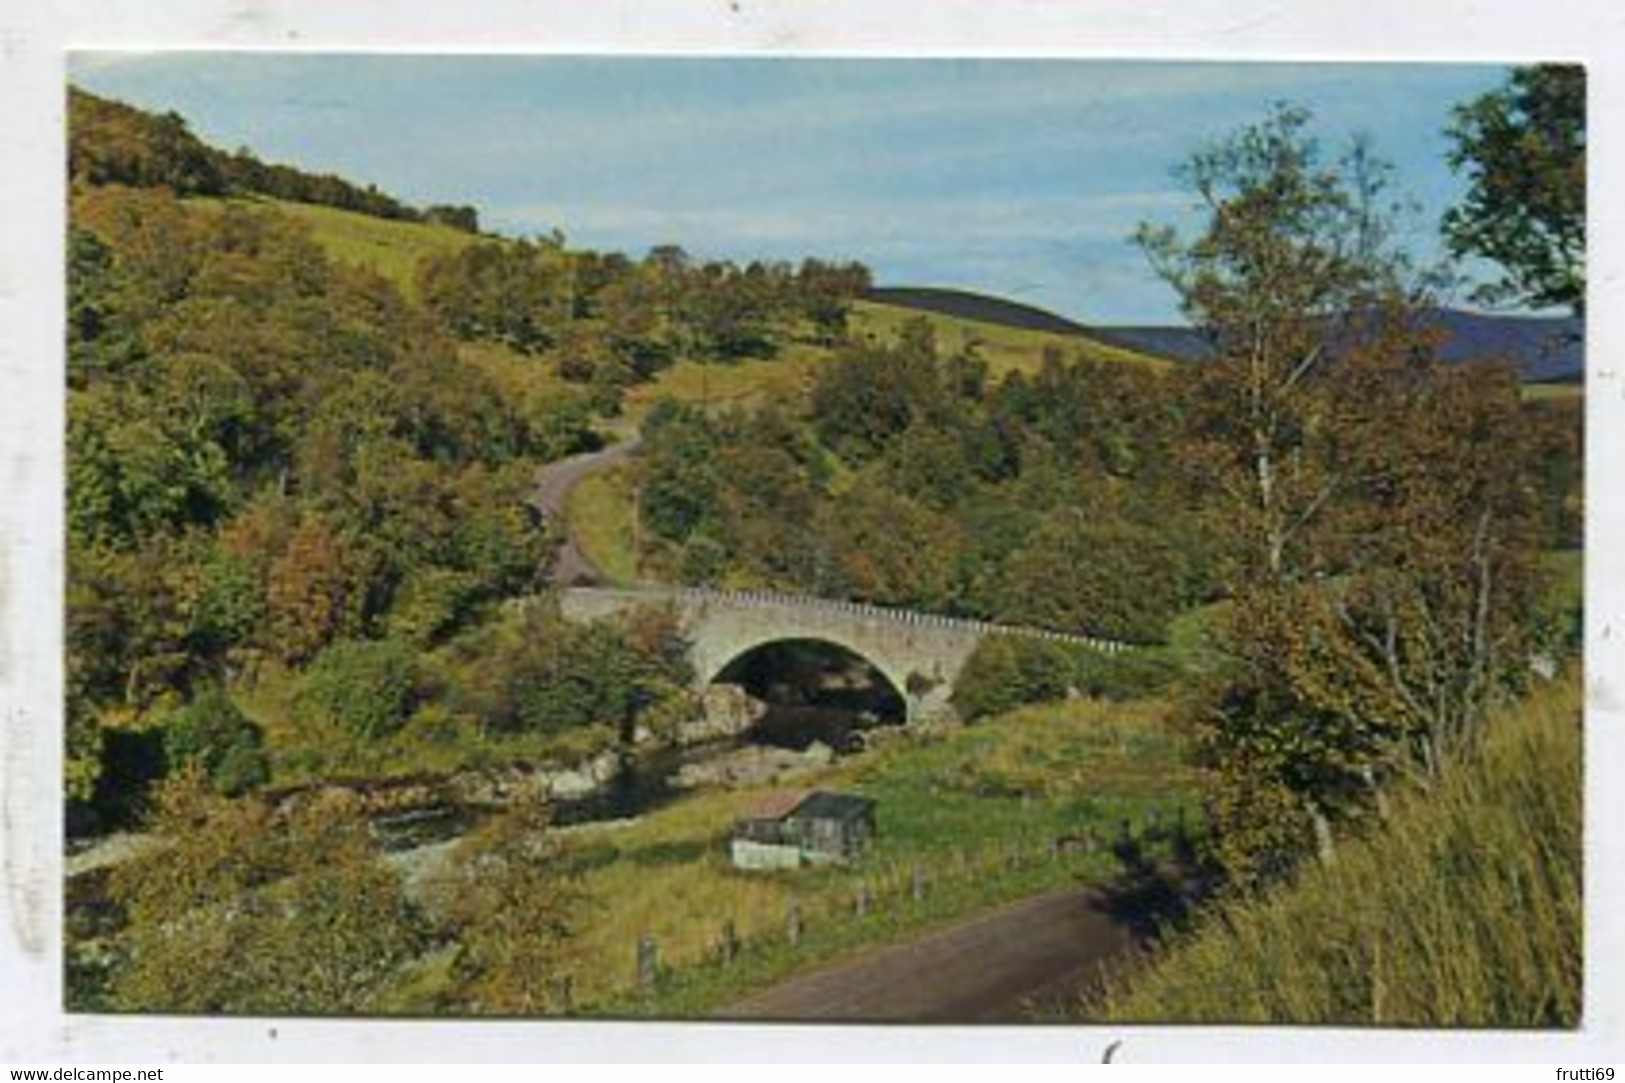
<point x="1464" y="909"/>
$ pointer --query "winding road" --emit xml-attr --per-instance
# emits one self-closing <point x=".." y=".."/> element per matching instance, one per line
<point x="553" y="484"/>
<point x="1037" y="954"/>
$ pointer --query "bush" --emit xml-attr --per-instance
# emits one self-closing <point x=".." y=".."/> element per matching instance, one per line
<point x="1005" y="672"/>
<point x="515" y="907"/>
<point x="368" y="688"/>
<point x="224" y="743"/>
<point x="1136" y="674"/>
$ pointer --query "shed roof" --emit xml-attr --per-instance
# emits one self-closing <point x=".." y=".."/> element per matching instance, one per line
<point x="823" y="805"/>
<point x="776" y="805"/>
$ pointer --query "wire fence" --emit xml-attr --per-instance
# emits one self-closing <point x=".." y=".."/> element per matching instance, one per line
<point x="893" y="892"/>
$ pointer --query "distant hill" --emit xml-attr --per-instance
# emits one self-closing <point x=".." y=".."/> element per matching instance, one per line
<point x="981" y="307"/>
<point x="1546" y="349"/>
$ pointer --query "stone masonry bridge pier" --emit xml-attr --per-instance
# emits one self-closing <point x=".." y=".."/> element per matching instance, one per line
<point x="920" y="654"/>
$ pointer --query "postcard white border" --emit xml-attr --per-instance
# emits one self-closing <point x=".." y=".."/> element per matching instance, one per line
<point x="34" y="38"/>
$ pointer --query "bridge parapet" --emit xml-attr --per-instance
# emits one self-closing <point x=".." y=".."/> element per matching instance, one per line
<point x="921" y="654"/>
<point x="615" y="598"/>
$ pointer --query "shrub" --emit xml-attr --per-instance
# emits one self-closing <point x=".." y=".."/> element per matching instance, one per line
<point x="368" y="688"/>
<point x="224" y="743"/>
<point x="1005" y="672"/>
<point x="515" y="904"/>
<point x="1136" y="674"/>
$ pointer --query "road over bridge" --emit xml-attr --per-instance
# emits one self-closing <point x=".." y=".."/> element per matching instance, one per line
<point x="920" y="654"/>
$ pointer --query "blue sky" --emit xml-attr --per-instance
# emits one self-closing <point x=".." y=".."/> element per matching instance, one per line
<point x="1019" y="177"/>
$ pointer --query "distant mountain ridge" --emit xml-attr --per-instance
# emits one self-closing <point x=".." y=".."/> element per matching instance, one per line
<point x="983" y="307"/>
<point x="1546" y="349"/>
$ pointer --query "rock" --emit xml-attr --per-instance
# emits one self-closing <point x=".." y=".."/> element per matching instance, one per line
<point x="571" y="784"/>
<point x="726" y="710"/>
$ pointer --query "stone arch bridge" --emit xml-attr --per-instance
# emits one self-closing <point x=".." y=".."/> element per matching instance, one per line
<point x="920" y="654"/>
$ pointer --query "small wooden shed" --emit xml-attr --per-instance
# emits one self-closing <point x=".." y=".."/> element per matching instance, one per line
<point x="789" y="829"/>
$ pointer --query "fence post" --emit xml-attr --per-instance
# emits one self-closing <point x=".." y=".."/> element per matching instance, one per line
<point x="730" y="942"/>
<point x="793" y="921"/>
<point x="648" y="961"/>
<point x="564" y="993"/>
<point x="862" y="905"/>
<point x="919" y="884"/>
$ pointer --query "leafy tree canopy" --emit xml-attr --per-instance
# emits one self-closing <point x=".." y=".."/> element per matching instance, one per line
<point x="1522" y="148"/>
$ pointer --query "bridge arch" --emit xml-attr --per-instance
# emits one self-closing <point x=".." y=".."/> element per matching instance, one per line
<point x="729" y="642"/>
<point x="806" y="654"/>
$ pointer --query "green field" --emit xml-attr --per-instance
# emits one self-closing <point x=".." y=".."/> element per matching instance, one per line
<point x="787" y="377"/>
<point x="957" y="805"/>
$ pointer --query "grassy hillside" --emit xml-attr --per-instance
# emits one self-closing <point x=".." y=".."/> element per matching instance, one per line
<point x="1554" y="392"/>
<point x="1006" y="349"/>
<point x="787" y="377"/>
<point x="1463" y="910"/>
<point x="388" y="246"/>
<point x="393" y="249"/>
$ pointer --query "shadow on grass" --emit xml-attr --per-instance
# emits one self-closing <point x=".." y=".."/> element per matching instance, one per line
<point x="1150" y="895"/>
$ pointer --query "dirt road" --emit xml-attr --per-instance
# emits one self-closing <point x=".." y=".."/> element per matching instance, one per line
<point x="992" y="968"/>
<point x="553" y="484"/>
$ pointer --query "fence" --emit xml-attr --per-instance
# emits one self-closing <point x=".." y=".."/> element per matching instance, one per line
<point x="902" y="890"/>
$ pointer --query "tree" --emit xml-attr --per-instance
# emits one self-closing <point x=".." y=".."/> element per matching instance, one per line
<point x="514" y="904"/>
<point x="677" y="470"/>
<point x="253" y="910"/>
<point x="1293" y="258"/>
<point x="879" y="546"/>
<point x="869" y="395"/>
<point x="1093" y="572"/>
<point x="306" y="592"/>
<point x="1385" y="591"/>
<point x="1005" y="672"/>
<point x="1522" y="147"/>
<point x="517" y="294"/>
